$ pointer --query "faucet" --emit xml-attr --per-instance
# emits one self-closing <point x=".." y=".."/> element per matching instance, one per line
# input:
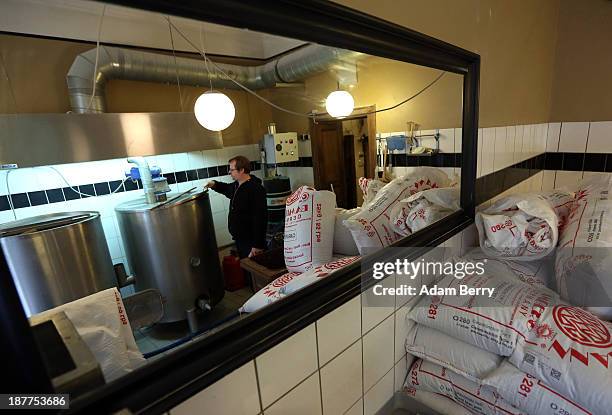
<point x="145" y="176"/>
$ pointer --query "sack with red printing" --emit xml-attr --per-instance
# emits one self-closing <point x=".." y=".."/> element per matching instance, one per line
<point x="492" y="323"/>
<point x="344" y="244"/>
<point x="565" y="347"/>
<point x="478" y="399"/>
<point x="370" y="187"/>
<point x="370" y="227"/>
<point x="519" y="389"/>
<point x="523" y="227"/>
<point x="422" y="209"/>
<point x="569" y="349"/>
<point x="436" y="401"/>
<point x="539" y="273"/>
<point x="268" y="294"/>
<point x="583" y="263"/>
<point x="317" y="274"/>
<point x="309" y="228"/>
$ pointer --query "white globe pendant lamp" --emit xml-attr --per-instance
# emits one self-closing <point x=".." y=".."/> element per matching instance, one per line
<point x="339" y="104"/>
<point x="214" y="110"/>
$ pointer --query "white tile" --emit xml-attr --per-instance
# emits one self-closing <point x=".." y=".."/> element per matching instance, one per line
<point x="195" y="160"/>
<point x="552" y="137"/>
<point x="447" y="140"/>
<point x="341" y="381"/>
<point x="379" y="395"/>
<point x="22" y="180"/>
<point x="542" y="138"/>
<point x="458" y="139"/>
<point x="215" y="399"/>
<point x="378" y="348"/>
<point x="374" y="308"/>
<point x="536" y="182"/>
<point x="591" y="174"/>
<point x="573" y="137"/>
<point x="303" y="400"/>
<point x="166" y="163"/>
<point x="356" y="409"/>
<point x="220" y="219"/>
<point x="304" y="148"/>
<point x="338" y="329"/>
<point x="519" y="131"/>
<point x="286" y="364"/>
<point x="600" y="137"/>
<point x="181" y="161"/>
<point x="453" y="246"/>
<point x="527" y="141"/>
<point x="568" y="180"/>
<point x="110" y="227"/>
<point x="114" y="247"/>
<point x="399" y="375"/>
<point x="488" y="151"/>
<point x="548" y="180"/>
<point x="402" y="326"/>
<point x="223" y="236"/>
<point x="503" y="149"/>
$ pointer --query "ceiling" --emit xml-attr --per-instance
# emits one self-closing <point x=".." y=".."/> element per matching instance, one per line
<point x="78" y="19"/>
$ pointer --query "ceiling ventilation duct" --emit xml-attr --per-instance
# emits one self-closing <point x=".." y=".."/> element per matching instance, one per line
<point x="131" y="64"/>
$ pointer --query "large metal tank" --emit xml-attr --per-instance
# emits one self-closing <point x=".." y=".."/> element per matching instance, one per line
<point x="172" y="247"/>
<point x="57" y="258"/>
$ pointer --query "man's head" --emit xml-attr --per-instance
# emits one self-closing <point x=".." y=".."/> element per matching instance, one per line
<point x="239" y="167"/>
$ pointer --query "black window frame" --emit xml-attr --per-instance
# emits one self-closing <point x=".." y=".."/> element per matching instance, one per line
<point x="164" y="383"/>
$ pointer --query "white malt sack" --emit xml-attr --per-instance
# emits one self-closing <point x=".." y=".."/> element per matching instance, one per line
<point x="436" y="401"/>
<point x="465" y="359"/>
<point x="309" y="228"/>
<point x="370" y="187"/>
<point x="519" y="389"/>
<point x="370" y="227"/>
<point x="539" y="273"/>
<point x="530" y="394"/>
<point x="478" y="399"/>
<point x="569" y="349"/>
<point x="316" y="274"/>
<point x="268" y="294"/>
<point x="344" y="244"/>
<point x="565" y="347"/>
<point x="583" y="264"/>
<point x="422" y="209"/>
<point x="523" y="227"/>
<point x="490" y="323"/>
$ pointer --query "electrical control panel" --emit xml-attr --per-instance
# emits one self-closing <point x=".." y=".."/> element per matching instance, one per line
<point x="281" y="147"/>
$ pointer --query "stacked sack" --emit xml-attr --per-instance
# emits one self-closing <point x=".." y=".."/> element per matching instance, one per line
<point x="584" y="257"/>
<point x="522" y="350"/>
<point x="371" y="227"/>
<point x="291" y="282"/>
<point x="422" y="209"/>
<point x="309" y="228"/>
<point x="523" y="226"/>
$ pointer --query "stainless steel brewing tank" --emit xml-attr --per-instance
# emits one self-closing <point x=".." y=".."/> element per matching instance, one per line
<point x="172" y="247"/>
<point x="57" y="258"/>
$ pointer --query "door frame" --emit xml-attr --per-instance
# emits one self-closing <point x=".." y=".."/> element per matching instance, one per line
<point x="369" y="113"/>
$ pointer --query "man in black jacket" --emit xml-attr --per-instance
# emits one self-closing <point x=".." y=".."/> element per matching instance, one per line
<point x="248" y="211"/>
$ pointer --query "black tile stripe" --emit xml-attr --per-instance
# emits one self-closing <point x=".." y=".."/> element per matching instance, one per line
<point x="43" y="197"/>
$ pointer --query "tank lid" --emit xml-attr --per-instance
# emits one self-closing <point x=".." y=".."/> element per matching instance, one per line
<point x="44" y="222"/>
<point x="175" y="198"/>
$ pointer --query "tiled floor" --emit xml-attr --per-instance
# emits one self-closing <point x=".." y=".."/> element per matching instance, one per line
<point x="162" y="335"/>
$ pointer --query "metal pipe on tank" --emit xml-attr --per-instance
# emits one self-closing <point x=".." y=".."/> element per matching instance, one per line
<point x="145" y="177"/>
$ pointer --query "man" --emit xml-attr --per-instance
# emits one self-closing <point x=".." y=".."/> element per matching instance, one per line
<point x="248" y="211"/>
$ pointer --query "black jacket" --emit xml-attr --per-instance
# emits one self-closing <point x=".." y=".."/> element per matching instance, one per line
<point x="248" y="212"/>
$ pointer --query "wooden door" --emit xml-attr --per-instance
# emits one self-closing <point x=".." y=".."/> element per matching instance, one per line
<point x="328" y="159"/>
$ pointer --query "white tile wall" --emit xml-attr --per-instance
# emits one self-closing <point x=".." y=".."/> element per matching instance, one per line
<point x="287" y="364"/>
<point x="305" y="399"/>
<point x="378" y="347"/>
<point x="341" y="380"/>
<point x="573" y="137"/>
<point x="553" y="135"/>
<point x="214" y="399"/>
<point x="600" y="137"/>
<point x="338" y="329"/>
<point x="488" y="151"/>
<point x="380" y="394"/>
